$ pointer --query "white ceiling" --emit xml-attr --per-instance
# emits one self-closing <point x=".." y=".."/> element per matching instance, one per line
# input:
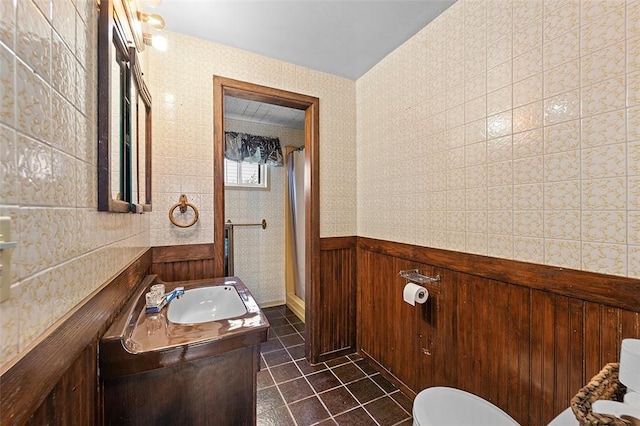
<point x="344" y="38"/>
<point x="259" y="112"/>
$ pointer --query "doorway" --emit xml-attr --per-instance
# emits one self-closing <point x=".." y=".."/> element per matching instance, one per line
<point x="310" y="105"/>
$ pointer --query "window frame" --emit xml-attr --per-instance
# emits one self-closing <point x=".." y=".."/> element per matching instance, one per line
<point x="263" y="186"/>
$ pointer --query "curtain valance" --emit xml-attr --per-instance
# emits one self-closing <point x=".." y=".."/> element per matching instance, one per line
<point x="243" y="147"/>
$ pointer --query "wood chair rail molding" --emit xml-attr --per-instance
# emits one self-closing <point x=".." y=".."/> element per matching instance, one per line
<point x="610" y="290"/>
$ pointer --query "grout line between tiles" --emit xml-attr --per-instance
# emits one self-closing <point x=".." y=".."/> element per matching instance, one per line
<point x="343" y="384"/>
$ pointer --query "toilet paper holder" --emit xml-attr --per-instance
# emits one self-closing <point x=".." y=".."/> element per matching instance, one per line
<point x="414" y="275"/>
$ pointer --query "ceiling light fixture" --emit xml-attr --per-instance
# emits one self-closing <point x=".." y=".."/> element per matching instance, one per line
<point x="156" y="41"/>
<point x="153" y="20"/>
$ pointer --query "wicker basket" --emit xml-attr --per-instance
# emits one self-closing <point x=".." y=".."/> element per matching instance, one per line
<point x="604" y="385"/>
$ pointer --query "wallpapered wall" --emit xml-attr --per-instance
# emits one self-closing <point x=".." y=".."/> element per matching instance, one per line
<point x="509" y="129"/>
<point x="66" y="248"/>
<point x="182" y="87"/>
<point x="260" y="254"/>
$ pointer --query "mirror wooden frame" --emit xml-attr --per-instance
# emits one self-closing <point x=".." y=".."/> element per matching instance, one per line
<point x="144" y="95"/>
<point x="112" y="32"/>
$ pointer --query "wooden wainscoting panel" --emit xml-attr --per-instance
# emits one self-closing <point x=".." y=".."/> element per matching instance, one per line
<point x="79" y="381"/>
<point x="183" y="262"/>
<point x="520" y="340"/>
<point x="337" y="295"/>
<point x="518" y="364"/>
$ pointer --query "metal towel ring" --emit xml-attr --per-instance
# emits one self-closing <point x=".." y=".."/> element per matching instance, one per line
<point x="183" y="204"/>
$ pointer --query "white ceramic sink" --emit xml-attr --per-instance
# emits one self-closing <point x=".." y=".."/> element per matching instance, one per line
<point x="206" y="304"/>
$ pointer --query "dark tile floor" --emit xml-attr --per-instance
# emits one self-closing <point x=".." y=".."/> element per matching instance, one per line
<point x="344" y="391"/>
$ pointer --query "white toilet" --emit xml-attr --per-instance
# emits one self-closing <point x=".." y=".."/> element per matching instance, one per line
<point x="443" y="406"/>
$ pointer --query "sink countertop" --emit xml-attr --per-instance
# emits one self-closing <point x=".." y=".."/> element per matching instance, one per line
<point x="138" y="342"/>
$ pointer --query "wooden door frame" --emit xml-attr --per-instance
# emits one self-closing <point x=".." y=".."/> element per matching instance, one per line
<point x="311" y="105"/>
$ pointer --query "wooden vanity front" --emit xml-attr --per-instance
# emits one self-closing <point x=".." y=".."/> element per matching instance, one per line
<point x="154" y="372"/>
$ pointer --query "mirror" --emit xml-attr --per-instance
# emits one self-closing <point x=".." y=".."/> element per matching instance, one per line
<point x="124" y="116"/>
<point x="141" y="124"/>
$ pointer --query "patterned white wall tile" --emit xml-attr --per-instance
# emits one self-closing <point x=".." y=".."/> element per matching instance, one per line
<point x="528" y="144"/>
<point x="604" y="226"/>
<point x="633" y="89"/>
<point x="527" y="91"/>
<point x="499" y="101"/>
<point x="604" y="258"/>
<point x="568" y="146"/>
<point x="604" y="161"/>
<point x="528" y="197"/>
<point x="603" y="64"/>
<point x="633" y="124"/>
<point x="603" y="96"/>
<point x="633" y="196"/>
<point x="563" y="107"/>
<point x="527" y="64"/>
<point x="33" y="40"/>
<point x="603" y="31"/>
<point x="563" y="253"/>
<point x="633" y="18"/>
<point x="500" y="222"/>
<point x="8" y="166"/>
<point x="562" y="195"/>
<point x="7" y="72"/>
<point x="500" y="197"/>
<point x="633" y="231"/>
<point x="34" y="103"/>
<point x="562" y="49"/>
<point x="634" y="261"/>
<point x="604" y="194"/>
<point x="527" y="117"/>
<point x="63" y="68"/>
<point x="562" y="137"/>
<point x="500" y="149"/>
<point x="602" y="129"/>
<point x="528" y="170"/>
<point x="528" y="223"/>
<point x="500" y="246"/>
<point x="562" y="78"/>
<point x="49" y="169"/>
<point x="562" y="224"/>
<point x="561" y="20"/>
<point x="499" y="51"/>
<point x="562" y="166"/>
<point x="528" y="249"/>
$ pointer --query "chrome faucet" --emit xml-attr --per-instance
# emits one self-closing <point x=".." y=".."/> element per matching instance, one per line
<point x="154" y="308"/>
<point x="177" y="292"/>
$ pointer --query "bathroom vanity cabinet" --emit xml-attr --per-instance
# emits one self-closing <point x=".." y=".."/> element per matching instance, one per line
<point x="154" y="372"/>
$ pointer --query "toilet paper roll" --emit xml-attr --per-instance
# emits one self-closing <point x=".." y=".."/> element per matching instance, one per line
<point x="630" y="364"/>
<point x="413" y="293"/>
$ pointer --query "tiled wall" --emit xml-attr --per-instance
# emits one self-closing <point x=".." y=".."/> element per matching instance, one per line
<point x="182" y="90"/>
<point x="48" y="146"/>
<point x="260" y="254"/>
<point x="509" y="129"/>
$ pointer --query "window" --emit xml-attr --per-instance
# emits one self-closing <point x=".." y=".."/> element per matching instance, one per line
<point x="245" y="175"/>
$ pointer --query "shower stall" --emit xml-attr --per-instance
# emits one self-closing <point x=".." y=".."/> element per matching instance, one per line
<point x="295" y="233"/>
